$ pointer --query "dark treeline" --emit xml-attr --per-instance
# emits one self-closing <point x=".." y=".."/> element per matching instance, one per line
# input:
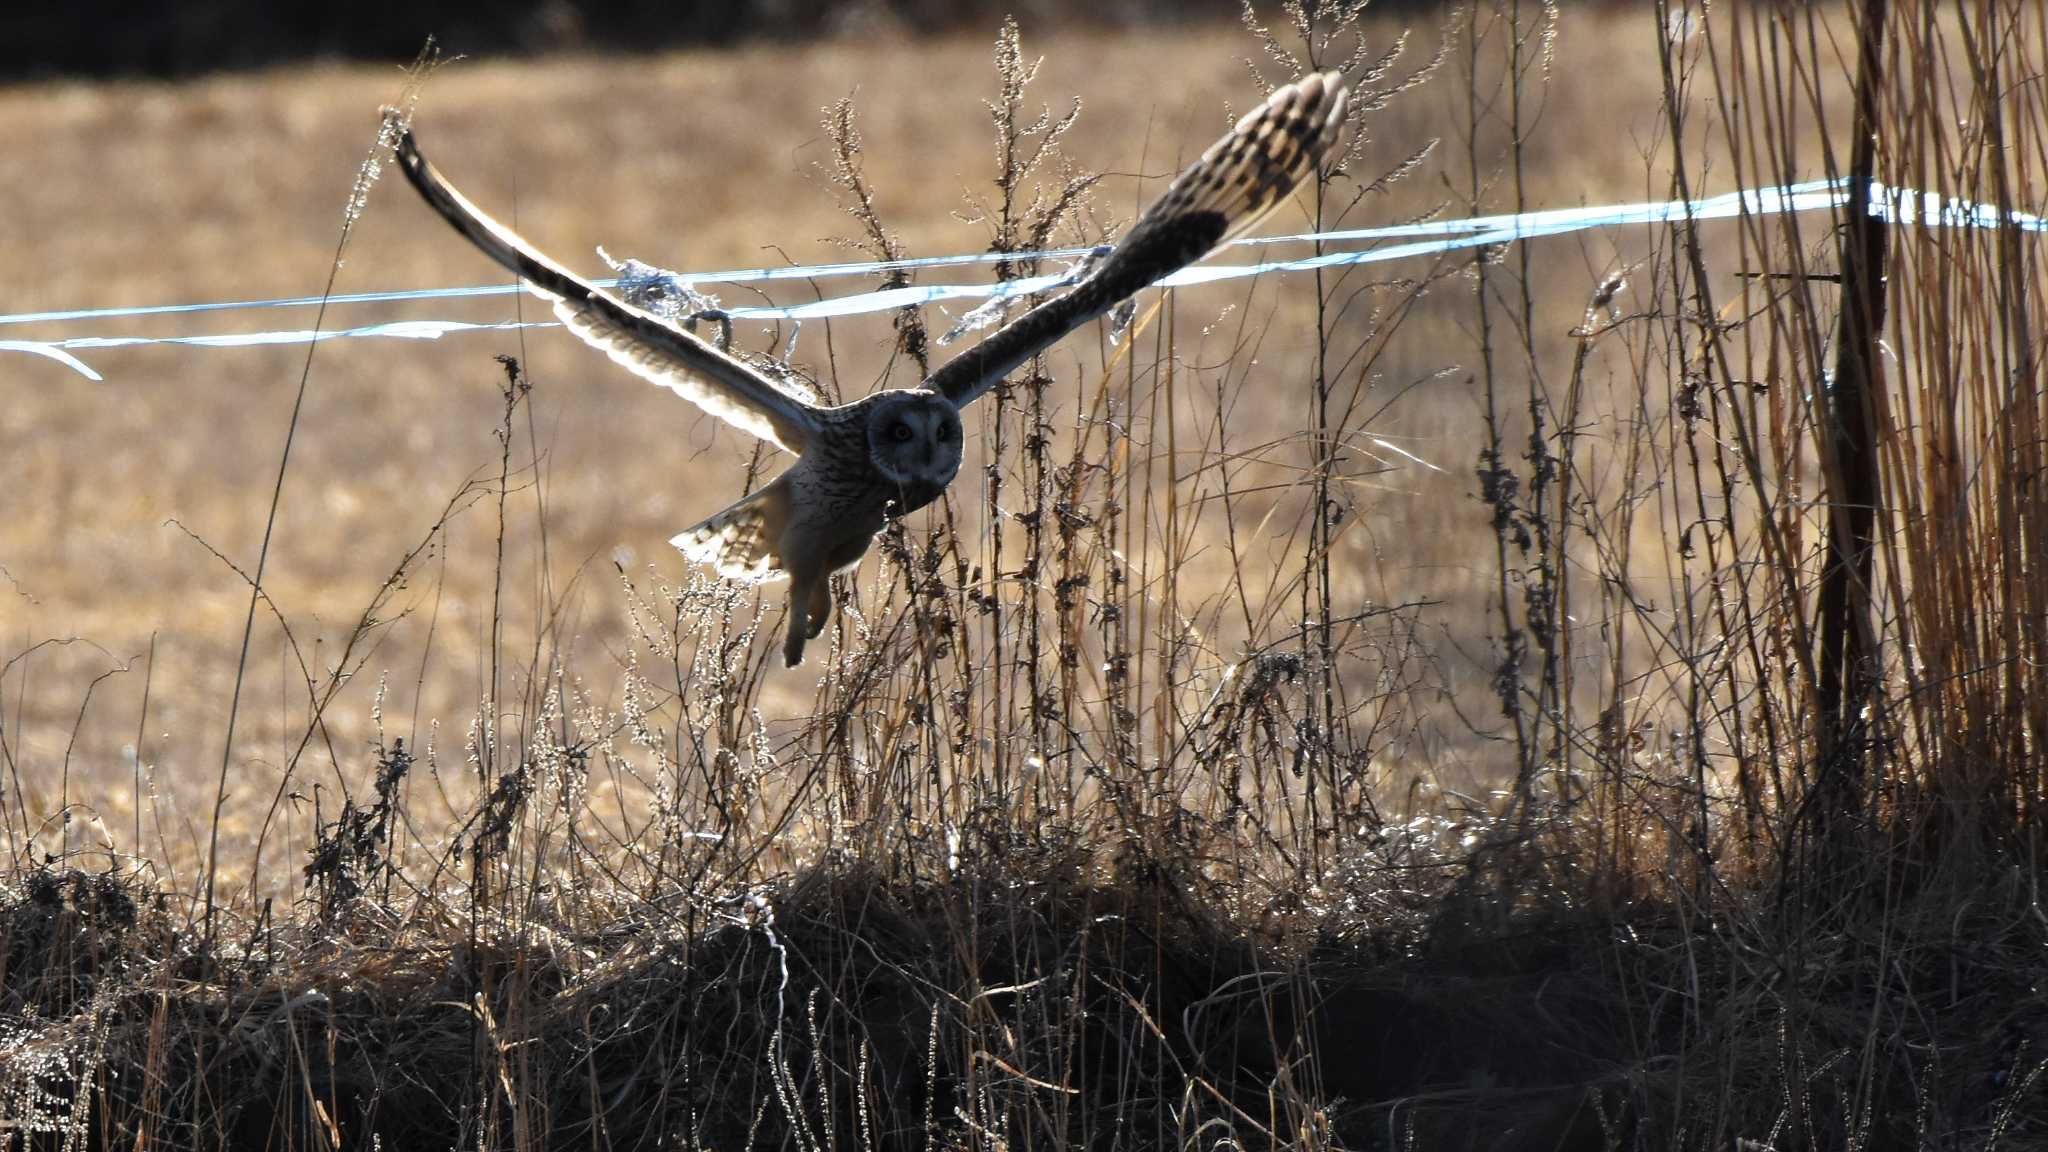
<point x="122" y="37"/>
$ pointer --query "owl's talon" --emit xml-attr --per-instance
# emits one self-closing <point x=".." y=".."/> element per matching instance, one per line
<point x="809" y="608"/>
<point x="820" y="608"/>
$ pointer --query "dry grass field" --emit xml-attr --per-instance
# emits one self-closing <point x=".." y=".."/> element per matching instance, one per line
<point x="232" y="189"/>
<point x="1454" y="702"/>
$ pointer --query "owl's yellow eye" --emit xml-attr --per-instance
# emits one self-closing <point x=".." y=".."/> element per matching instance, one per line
<point x="900" y="432"/>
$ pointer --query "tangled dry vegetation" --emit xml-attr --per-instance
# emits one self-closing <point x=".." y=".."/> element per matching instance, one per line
<point x="1123" y="814"/>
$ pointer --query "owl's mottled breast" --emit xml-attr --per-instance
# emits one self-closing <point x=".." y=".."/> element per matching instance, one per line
<point x="839" y="458"/>
<point x="907" y="498"/>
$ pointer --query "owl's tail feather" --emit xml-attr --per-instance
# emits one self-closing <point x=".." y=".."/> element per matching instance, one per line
<point x="744" y="542"/>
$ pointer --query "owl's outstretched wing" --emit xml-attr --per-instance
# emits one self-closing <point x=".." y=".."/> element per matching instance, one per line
<point x="646" y="345"/>
<point x="1233" y="186"/>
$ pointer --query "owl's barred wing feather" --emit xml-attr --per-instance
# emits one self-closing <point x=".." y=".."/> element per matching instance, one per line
<point x="743" y="542"/>
<point x="1240" y="179"/>
<point x="644" y="344"/>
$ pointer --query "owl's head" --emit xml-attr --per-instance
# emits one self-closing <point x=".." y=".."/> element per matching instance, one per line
<point x="914" y="442"/>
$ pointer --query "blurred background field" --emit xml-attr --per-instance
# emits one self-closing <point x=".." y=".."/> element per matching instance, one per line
<point x="231" y="188"/>
<point x="94" y="38"/>
<point x="1584" y="693"/>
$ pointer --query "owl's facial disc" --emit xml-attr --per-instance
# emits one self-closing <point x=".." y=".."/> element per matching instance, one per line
<point x="914" y="442"/>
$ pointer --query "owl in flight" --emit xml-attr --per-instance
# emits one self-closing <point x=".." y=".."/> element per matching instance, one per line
<point x="893" y="452"/>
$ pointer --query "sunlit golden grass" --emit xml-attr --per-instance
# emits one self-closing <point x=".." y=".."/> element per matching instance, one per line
<point x="231" y="189"/>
